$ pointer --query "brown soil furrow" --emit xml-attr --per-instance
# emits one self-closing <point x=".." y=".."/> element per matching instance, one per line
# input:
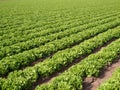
<point x="52" y="53"/>
<point x="55" y="74"/>
<point x="93" y="83"/>
<point x="41" y="60"/>
<point x="50" y="56"/>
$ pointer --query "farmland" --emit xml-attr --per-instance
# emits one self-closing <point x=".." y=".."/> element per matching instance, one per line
<point x="59" y="45"/>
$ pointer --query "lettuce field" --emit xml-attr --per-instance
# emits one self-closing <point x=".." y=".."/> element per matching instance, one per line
<point x="59" y="44"/>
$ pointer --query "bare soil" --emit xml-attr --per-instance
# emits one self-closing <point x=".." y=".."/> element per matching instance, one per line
<point x="49" y="79"/>
<point x="93" y="83"/>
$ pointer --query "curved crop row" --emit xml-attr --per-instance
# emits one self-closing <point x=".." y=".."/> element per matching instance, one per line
<point x="48" y="16"/>
<point x="19" y="80"/>
<point x="36" y="32"/>
<point x="90" y="66"/>
<point x="18" y="33"/>
<point x="13" y="22"/>
<point x="14" y="62"/>
<point x="34" y="43"/>
<point x="29" y="25"/>
<point x="13" y="40"/>
<point x="18" y="36"/>
<point x="13" y="36"/>
<point x="40" y="24"/>
<point x="113" y="83"/>
<point x="66" y="14"/>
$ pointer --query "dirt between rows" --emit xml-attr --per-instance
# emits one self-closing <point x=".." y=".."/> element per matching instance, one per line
<point x="92" y="83"/>
<point x="55" y="74"/>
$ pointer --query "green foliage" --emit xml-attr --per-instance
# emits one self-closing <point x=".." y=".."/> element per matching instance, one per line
<point x="22" y="59"/>
<point x="64" y="57"/>
<point x="36" y="29"/>
<point x="113" y="83"/>
<point x="90" y="66"/>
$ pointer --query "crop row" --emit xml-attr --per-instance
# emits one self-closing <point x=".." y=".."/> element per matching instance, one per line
<point x="23" y="79"/>
<point x="31" y="25"/>
<point x="34" y="43"/>
<point x="14" y="62"/>
<point x="41" y="24"/>
<point x="113" y="83"/>
<point x="8" y="21"/>
<point x="65" y="13"/>
<point x="45" y="31"/>
<point x="13" y="22"/>
<point x="49" y="28"/>
<point x="90" y="66"/>
<point x="38" y="27"/>
<point x="28" y="26"/>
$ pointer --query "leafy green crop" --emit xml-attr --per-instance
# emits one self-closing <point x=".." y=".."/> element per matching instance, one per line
<point x="40" y="37"/>
<point x="90" y="66"/>
<point x="113" y="83"/>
